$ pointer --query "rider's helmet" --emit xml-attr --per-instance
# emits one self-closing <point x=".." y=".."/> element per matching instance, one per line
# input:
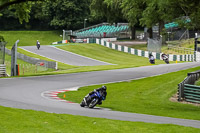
<point x="104" y="88"/>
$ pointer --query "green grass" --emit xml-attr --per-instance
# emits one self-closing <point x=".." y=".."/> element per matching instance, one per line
<point x="147" y="96"/>
<point x="105" y="54"/>
<point x="197" y="82"/>
<point x="27" y="121"/>
<point x="29" y="38"/>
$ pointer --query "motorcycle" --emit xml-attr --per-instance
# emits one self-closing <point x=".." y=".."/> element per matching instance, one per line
<point x="151" y="59"/>
<point x="165" y="58"/>
<point x="92" y="100"/>
<point x="38" y="46"/>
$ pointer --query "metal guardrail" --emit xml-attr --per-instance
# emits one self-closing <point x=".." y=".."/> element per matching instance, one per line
<point x="192" y="93"/>
<point x="188" y="81"/>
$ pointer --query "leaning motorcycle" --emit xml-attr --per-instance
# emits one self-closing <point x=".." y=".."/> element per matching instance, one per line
<point x="165" y="59"/>
<point x="152" y="60"/>
<point x="92" y="100"/>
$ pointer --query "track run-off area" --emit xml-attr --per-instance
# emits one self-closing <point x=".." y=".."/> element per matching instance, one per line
<point x="27" y="92"/>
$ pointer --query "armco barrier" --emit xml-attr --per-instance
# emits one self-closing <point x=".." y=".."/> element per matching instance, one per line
<point x="187" y="90"/>
<point x="192" y="93"/>
<point x="48" y="64"/>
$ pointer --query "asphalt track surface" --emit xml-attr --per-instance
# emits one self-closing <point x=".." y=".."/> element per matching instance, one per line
<point x="64" y="56"/>
<point x="25" y="92"/>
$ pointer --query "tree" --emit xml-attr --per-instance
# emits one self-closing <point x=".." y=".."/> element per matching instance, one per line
<point x="190" y="9"/>
<point x="6" y="3"/>
<point x="113" y="11"/>
<point x="65" y="14"/>
<point x="21" y="7"/>
<point x="132" y="11"/>
<point x="47" y="14"/>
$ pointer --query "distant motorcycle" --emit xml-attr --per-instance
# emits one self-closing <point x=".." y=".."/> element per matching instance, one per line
<point x="165" y="58"/>
<point x="92" y="100"/>
<point x="38" y="45"/>
<point x="151" y="59"/>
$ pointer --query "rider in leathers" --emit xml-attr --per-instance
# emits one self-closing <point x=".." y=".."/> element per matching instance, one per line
<point x="101" y="90"/>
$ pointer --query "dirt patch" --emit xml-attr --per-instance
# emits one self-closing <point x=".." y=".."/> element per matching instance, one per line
<point x="175" y="97"/>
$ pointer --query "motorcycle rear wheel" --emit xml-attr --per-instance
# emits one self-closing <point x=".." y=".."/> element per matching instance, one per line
<point x="82" y="104"/>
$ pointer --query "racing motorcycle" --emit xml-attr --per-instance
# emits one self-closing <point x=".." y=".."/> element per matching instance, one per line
<point x="151" y="59"/>
<point x="92" y="100"/>
<point x="165" y="58"/>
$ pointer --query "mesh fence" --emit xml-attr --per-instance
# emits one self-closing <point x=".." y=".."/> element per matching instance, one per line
<point x="154" y="45"/>
<point x="28" y="69"/>
<point x="2" y="52"/>
<point x="42" y="63"/>
<point x="66" y="34"/>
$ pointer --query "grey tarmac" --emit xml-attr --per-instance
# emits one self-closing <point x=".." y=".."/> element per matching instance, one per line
<point x="25" y="92"/>
<point x="63" y="56"/>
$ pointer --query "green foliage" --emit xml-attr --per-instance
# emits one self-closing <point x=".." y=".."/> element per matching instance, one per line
<point x="22" y="11"/>
<point x="67" y="14"/>
<point x="109" y="9"/>
<point x="132" y="10"/>
<point x="56" y="14"/>
<point x="1" y="39"/>
<point x="21" y="8"/>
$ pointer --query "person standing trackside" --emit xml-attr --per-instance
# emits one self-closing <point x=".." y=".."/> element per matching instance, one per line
<point x="38" y="44"/>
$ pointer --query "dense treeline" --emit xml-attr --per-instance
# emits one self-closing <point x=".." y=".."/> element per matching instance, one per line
<point x="70" y="14"/>
<point x="54" y="14"/>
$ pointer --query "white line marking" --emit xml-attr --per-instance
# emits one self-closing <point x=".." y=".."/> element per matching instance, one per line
<point x="81" y="55"/>
<point x="44" y="56"/>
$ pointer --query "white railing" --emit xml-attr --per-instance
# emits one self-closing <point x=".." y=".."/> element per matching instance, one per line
<point x="2" y="70"/>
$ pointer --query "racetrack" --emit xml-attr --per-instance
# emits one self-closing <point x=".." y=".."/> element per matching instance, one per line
<point x="26" y="92"/>
<point x="66" y="57"/>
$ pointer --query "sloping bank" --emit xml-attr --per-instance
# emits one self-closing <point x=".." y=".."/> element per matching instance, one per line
<point x="107" y="43"/>
<point x="103" y="42"/>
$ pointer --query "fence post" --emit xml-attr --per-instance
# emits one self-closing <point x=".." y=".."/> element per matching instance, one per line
<point x="180" y="90"/>
<point x="23" y="69"/>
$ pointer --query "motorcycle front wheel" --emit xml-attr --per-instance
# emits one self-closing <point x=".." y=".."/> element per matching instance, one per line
<point x="93" y="103"/>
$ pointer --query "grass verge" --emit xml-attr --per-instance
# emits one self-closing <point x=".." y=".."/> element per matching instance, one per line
<point x="23" y="121"/>
<point x="147" y="96"/>
<point x="121" y="59"/>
